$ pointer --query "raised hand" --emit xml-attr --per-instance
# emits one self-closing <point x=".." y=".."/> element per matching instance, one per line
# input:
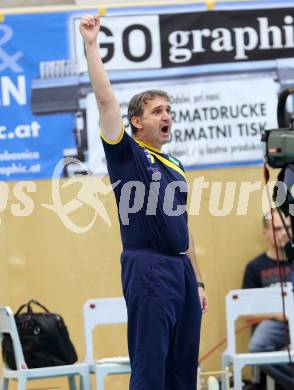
<point x="89" y="28"/>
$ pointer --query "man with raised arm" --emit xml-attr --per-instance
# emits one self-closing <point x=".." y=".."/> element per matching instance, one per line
<point x="160" y="277"/>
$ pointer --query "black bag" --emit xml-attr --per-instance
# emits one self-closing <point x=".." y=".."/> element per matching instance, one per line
<point x="44" y="338"/>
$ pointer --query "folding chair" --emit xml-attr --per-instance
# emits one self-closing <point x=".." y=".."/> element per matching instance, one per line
<point x="22" y="373"/>
<point x="250" y="302"/>
<point x="101" y="312"/>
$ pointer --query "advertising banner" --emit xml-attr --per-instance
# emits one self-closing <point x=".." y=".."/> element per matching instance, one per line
<point x="223" y="75"/>
<point x="226" y="36"/>
<point x="209" y="127"/>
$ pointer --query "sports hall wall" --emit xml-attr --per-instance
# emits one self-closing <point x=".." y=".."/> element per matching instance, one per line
<point x="62" y="247"/>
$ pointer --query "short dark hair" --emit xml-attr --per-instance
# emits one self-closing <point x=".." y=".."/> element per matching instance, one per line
<point x="136" y="104"/>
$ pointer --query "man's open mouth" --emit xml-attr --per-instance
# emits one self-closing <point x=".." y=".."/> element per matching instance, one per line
<point x="164" y="129"/>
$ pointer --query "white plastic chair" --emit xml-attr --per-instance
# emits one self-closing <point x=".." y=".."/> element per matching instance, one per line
<point x="22" y="373"/>
<point x="101" y="312"/>
<point x="250" y="302"/>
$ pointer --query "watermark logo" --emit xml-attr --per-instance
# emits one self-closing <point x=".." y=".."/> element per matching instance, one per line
<point x="88" y="195"/>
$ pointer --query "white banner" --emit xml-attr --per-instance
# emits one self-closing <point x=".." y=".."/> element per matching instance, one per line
<point x="128" y="42"/>
<point x="214" y="122"/>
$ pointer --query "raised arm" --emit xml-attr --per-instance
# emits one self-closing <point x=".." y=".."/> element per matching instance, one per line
<point x="109" y="110"/>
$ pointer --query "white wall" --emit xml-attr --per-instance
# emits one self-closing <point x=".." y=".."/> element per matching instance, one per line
<point x="28" y="3"/>
<point x="126" y="2"/>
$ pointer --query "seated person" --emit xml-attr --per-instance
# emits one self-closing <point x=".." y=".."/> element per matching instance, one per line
<point x="270" y="333"/>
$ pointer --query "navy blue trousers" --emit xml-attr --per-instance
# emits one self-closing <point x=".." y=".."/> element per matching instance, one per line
<point x="164" y="317"/>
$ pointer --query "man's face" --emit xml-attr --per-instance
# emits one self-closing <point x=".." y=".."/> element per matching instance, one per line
<point x="154" y="126"/>
<point x="280" y="232"/>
